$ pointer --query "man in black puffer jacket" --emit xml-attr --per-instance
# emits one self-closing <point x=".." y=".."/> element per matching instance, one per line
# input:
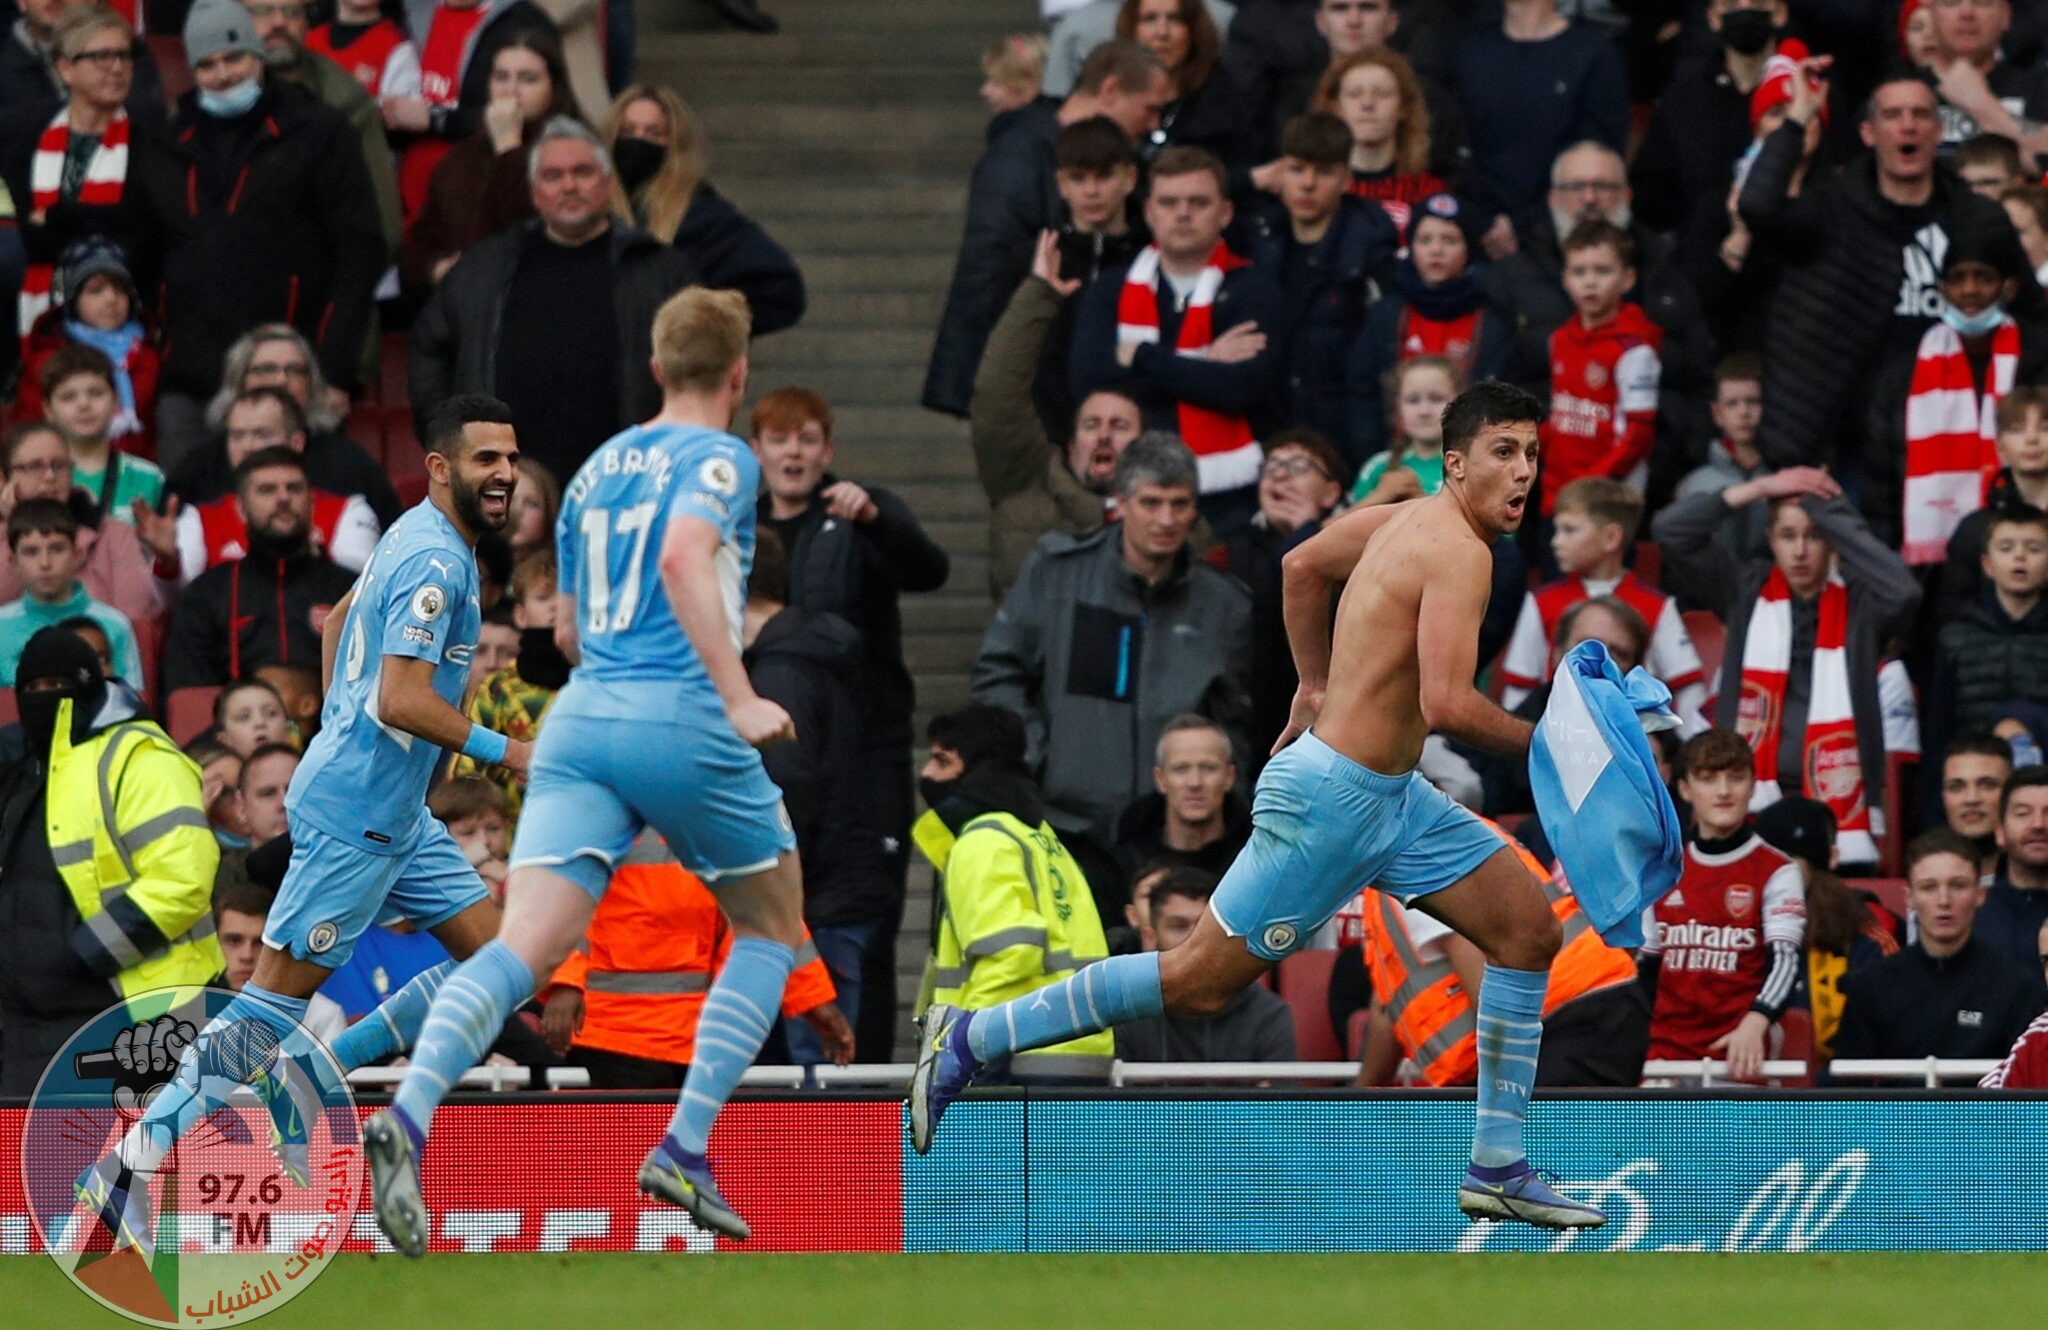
<point x="1863" y="262"/>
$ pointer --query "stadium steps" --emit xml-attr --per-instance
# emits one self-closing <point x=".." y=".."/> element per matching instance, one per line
<point x="850" y="136"/>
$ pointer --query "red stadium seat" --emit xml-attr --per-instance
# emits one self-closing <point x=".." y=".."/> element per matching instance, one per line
<point x="1890" y="892"/>
<point x="1891" y="847"/>
<point x="1649" y="561"/>
<point x="404" y="460"/>
<point x="9" y="713"/>
<point x="365" y="425"/>
<point x="1708" y="638"/>
<point x="149" y="645"/>
<point x="1304" y="981"/>
<point x="390" y="385"/>
<point x="1797" y="1028"/>
<point x="188" y="713"/>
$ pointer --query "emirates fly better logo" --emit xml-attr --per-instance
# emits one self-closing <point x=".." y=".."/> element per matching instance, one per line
<point x="241" y="1212"/>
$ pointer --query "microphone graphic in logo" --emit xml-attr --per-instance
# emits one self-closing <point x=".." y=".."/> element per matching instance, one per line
<point x="143" y="1058"/>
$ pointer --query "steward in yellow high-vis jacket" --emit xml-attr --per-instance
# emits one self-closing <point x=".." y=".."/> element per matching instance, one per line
<point x="106" y="859"/>
<point x="1012" y="911"/>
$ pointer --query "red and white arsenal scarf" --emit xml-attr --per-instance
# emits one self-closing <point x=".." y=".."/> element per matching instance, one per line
<point x="1227" y="456"/>
<point x="1951" y="435"/>
<point x="105" y="174"/>
<point x="1831" y="763"/>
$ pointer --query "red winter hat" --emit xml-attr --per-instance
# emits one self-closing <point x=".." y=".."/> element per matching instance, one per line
<point x="1776" y="88"/>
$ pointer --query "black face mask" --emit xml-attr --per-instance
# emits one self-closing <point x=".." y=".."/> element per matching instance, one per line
<point x="1747" y="31"/>
<point x="636" y="161"/>
<point x="39" y="712"/>
<point x="936" y="792"/>
<point x="540" y="662"/>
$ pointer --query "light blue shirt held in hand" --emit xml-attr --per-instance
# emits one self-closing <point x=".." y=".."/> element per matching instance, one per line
<point x="1598" y="795"/>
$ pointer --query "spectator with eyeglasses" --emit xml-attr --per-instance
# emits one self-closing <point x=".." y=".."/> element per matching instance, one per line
<point x="69" y="165"/>
<point x="32" y="78"/>
<point x="115" y="567"/>
<point x="1300" y="483"/>
<point x="277" y="355"/>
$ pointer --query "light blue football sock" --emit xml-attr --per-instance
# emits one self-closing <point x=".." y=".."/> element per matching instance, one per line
<point x="1510" y="1020"/>
<point x="737" y="1014"/>
<point x="391" y="1028"/>
<point x="462" y="1023"/>
<point x="226" y="1054"/>
<point x="1108" y="992"/>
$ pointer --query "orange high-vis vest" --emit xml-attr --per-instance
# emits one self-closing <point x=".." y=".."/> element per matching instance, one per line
<point x="1427" y="1005"/>
<point x="655" y="944"/>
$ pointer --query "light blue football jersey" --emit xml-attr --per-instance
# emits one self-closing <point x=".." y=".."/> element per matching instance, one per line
<point x="608" y="544"/>
<point x="365" y="782"/>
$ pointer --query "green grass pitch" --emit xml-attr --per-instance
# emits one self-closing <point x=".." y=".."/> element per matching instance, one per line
<point x="1228" y="1292"/>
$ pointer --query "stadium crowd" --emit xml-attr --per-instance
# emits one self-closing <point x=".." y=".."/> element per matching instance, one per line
<point x="1777" y="270"/>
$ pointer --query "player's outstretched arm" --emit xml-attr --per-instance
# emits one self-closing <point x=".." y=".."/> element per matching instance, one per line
<point x="406" y="700"/>
<point x="689" y="575"/>
<point x="1447" y="653"/>
<point x="1309" y="574"/>
<point x="566" y="640"/>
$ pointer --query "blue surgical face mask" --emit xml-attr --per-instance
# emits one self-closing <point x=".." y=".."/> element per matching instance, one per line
<point x="231" y="102"/>
<point x="1984" y="321"/>
<point x="2025" y="752"/>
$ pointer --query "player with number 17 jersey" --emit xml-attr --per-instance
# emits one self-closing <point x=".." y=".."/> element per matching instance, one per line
<point x="602" y="770"/>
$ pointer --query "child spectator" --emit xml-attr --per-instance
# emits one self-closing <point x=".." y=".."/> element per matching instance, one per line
<point x="247" y="715"/>
<point x="2027" y="206"/>
<point x="99" y="311"/>
<point x="1604" y="368"/>
<point x="80" y="399"/>
<point x="220" y="779"/>
<point x="497" y="645"/>
<point x="298" y="684"/>
<point x="1804" y="677"/>
<point x="1096" y="175"/>
<point x="372" y="48"/>
<point x="1722" y="947"/>
<point x="512" y="699"/>
<point x="95" y="637"/>
<point x="1967" y="360"/>
<point x="536" y="501"/>
<point x="1989" y="164"/>
<point x="1413" y="465"/>
<point x="116" y="568"/>
<point x="1737" y="408"/>
<point x="1327" y="250"/>
<point x="1996" y="652"/>
<point x="1595" y="525"/>
<point x="1375" y="93"/>
<point x="1846" y="928"/>
<point x="478" y="818"/>
<point x="2021" y="480"/>
<point x="1012" y="73"/>
<point x="42" y="534"/>
<point x="266" y="775"/>
<point x="1436" y="306"/>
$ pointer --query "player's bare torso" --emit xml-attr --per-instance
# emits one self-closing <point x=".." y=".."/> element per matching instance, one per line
<point x="1372" y="709"/>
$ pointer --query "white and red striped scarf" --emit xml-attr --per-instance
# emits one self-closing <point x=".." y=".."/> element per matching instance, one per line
<point x="1227" y="455"/>
<point x="1951" y="436"/>
<point x="105" y="175"/>
<point x="1831" y="763"/>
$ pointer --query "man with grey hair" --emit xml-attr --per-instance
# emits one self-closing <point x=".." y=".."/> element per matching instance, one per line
<point x="277" y="355"/>
<point x="1589" y="182"/>
<point x="543" y="314"/>
<point x="1106" y="638"/>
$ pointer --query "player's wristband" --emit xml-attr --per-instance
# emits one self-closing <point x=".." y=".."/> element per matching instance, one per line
<point x="485" y="746"/>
